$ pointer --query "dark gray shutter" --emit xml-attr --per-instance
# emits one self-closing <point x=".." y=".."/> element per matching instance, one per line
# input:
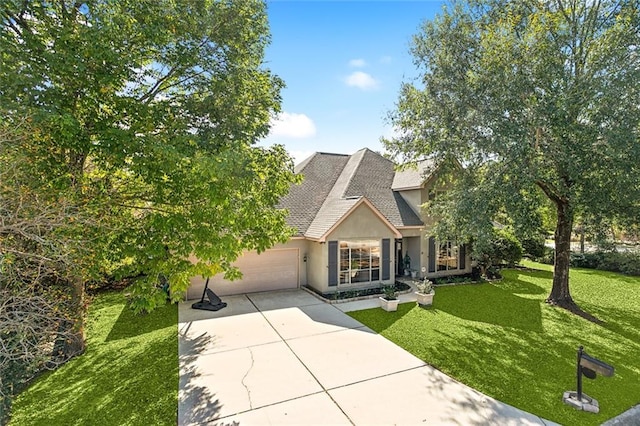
<point x="386" y="258"/>
<point x="333" y="263"/>
<point x="463" y="256"/>
<point x="432" y="254"/>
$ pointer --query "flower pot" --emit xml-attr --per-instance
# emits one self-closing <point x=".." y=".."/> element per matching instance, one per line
<point x="414" y="274"/>
<point x="407" y="272"/>
<point x="424" y="299"/>
<point x="389" y="305"/>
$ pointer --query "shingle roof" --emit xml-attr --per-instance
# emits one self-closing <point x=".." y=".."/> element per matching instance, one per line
<point x="320" y="172"/>
<point x="413" y="177"/>
<point x="334" y="183"/>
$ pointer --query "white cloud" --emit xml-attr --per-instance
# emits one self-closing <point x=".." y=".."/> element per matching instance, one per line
<point x="292" y="125"/>
<point x="361" y="80"/>
<point x="357" y="63"/>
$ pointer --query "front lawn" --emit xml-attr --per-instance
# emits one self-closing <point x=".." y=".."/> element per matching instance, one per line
<point x="127" y="376"/>
<point x="503" y="340"/>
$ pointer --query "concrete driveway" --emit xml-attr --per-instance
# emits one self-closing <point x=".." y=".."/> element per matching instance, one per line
<point x="286" y="357"/>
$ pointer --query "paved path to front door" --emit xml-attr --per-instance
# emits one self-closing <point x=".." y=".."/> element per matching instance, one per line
<point x="288" y="358"/>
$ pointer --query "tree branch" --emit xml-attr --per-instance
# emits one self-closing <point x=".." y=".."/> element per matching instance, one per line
<point x="549" y="191"/>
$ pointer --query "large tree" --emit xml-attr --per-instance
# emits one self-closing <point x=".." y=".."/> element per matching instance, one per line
<point x="534" y="98"/>
<point x="143" y="116"/>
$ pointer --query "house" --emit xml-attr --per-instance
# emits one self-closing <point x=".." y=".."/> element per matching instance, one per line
<point x="356" y="218"/>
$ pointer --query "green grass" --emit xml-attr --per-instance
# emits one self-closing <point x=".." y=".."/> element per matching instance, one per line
<point x="503" y="340"/>
<point x="127" y="376"/>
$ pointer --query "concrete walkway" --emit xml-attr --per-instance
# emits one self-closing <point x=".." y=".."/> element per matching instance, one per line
<point x="288" y="358"/>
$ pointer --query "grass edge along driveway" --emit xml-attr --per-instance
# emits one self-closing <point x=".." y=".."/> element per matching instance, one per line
<point x="127" y="376"/>
<point x="503" y="340"/>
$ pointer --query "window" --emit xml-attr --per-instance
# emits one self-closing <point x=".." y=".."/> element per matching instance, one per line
<point x="359" y="261"/>
<point x="448" y="255"/>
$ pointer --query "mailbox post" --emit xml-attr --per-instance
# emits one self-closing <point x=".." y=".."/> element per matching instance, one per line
<point x="589" y="367"/>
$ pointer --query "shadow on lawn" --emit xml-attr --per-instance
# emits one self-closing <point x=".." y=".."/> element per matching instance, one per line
<point x="115" y="383"/>
<point x="623" y="322"/>
<point x="479" y="302"/>
<point x="129" y="324"/>
<point x="382" y="322"/>
<point x="524" y="369"/>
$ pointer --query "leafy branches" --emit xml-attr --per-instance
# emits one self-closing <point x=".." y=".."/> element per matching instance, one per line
<point x="534" y="99"/>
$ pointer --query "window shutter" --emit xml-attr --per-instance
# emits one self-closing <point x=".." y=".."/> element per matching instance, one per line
<point x="432" y="254"/>
<point x="386" y="258"/>
<point x="463" y="256"/>
<point x="333" y="263"/>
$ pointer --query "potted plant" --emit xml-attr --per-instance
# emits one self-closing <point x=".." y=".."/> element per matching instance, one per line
<point x="425" y="293"/>
<point x="407" y="265"/>
<point x="389" y="300"/>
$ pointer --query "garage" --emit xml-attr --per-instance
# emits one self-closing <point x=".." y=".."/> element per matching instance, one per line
<point x="275" y="269"/>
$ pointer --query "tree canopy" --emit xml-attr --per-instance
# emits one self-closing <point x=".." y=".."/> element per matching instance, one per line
<point x="144" y="116"/>
<point x="536" y="99"/>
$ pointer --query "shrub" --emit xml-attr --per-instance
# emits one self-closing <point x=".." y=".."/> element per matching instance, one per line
<point x="533" y="247"/>
<point x="623" y="262"/>
<point x="502" y="247"/>
<point x="548" y="256"/>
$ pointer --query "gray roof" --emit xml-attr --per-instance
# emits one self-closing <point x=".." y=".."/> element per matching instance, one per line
<point x="334" y="183"/>
<point x="413" y="176"/>
<point x="303" y="201"/>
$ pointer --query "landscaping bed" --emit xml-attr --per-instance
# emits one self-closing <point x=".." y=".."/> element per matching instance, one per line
<point x="346" y="295"/>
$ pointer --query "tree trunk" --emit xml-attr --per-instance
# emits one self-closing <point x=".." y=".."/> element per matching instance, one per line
<point x="75" y="342"/>
<point x="560" y="294"/>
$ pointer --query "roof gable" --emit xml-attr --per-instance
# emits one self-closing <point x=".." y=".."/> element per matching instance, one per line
<point x="334" y="184"/>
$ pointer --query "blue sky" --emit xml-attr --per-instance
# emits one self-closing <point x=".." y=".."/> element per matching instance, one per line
<point x="343" y="63"/>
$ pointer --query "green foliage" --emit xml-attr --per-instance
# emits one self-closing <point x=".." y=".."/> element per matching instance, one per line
<point x="502" y="248"/>
<point x="425" y="286"/>
<point x="533" y="247"/>
<point x="537" y="100"/>
<point x="389" y="292"/>
<point x="128" y="375"/>
<point x="145" y="115"/>
<point x="624" y="262"/>
<point x="504" y="341"/>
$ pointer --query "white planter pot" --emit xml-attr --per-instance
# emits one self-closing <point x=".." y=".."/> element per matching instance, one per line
<point x="414" y="274"/>
<point x="424" y="299"/>
<point x="407" y="272"/>
<point x="389" y="305"/>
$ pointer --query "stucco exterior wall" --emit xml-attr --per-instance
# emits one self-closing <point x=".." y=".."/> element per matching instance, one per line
<point x="318" y="266"/>
<point x="413" y="197"/>
<point x="361" y="224"/>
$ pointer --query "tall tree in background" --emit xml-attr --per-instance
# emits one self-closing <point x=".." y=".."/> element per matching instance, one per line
<point x="143" y="117"/>
<point x="533" y="97"/>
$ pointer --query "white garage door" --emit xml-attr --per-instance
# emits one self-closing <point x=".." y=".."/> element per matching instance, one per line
<point x="270" y="270"/>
